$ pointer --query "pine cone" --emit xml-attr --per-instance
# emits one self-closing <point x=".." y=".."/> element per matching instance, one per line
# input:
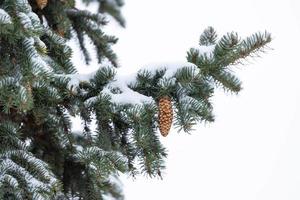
<point x="41" y="4"/>
<point x="165" y="115"/>
<point x="60" y="32"/>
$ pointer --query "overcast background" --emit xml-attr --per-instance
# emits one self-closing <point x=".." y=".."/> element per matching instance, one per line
<point x="252" y="151"/>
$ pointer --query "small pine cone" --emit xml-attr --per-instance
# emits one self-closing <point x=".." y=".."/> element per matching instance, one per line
<point x="41" y="4"/>
<point x="165" y="115"/>
<point x="60" y="32"/>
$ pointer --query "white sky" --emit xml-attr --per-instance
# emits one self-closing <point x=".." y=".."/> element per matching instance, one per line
<point x="252" y="151"/>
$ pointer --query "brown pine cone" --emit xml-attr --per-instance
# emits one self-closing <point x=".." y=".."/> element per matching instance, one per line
<point x="41" y="4"/>
<point x="165" y="115"/>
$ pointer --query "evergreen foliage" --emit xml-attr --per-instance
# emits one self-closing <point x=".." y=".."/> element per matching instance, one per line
<point x="41" y="157"/>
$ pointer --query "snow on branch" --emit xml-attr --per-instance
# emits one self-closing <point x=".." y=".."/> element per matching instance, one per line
<point x="32" y="182"/>
<point x="126" y="94"/>
<point x="4" y="17"/>
<point x="170" y="67"/>
<point x="36" y="59"/>
<point x="76" y="79"/>
<point x="25" y="21"/>
<point x="119" y="88"/>
<point x="206" y="51"/>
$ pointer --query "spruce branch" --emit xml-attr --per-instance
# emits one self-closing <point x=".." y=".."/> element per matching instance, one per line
<point x="40" y="91"/>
